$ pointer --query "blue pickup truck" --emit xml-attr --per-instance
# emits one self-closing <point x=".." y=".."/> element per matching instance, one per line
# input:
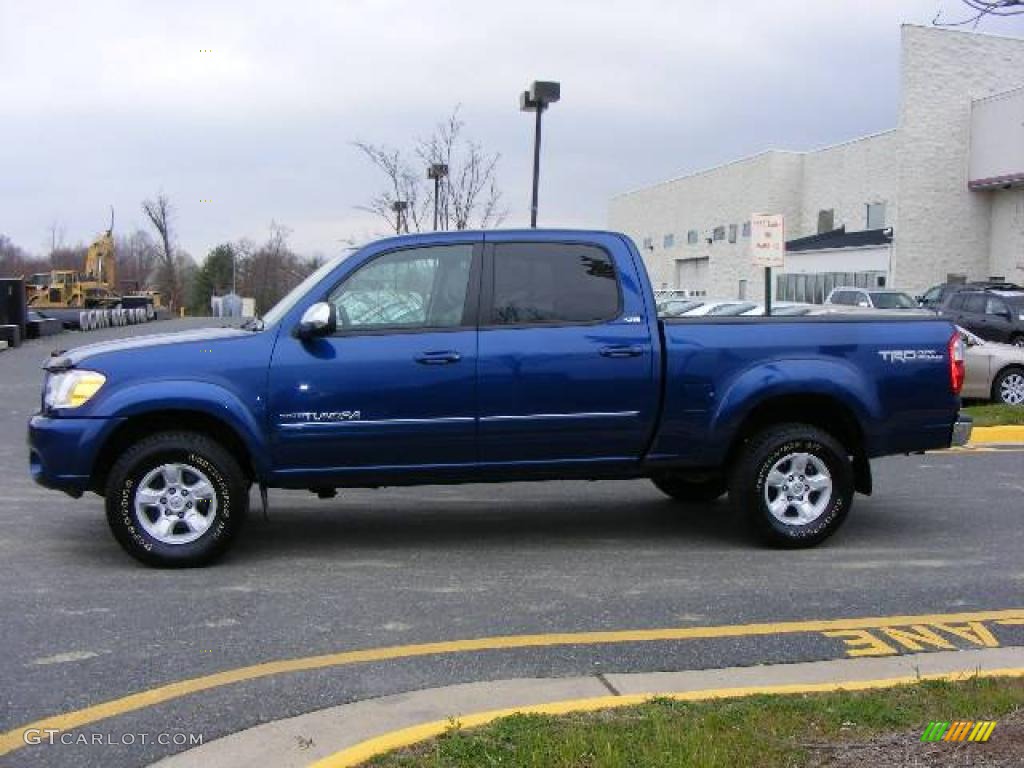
<point x="463" y="357"/>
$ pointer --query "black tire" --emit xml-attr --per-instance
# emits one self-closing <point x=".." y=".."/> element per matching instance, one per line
<point x="997" y="385"/>
<point x="230" y="491"/>
<point x="750" y="477"/>
<point x="687" y="490"/>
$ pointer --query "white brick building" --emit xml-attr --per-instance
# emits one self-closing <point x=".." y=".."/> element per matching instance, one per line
<point x="941" y="196"/>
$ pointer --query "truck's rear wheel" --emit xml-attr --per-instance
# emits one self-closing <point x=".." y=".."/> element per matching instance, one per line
<point x="682" y="488"/>
<point x="176" y="499"/>
<point x="794" y="483"/>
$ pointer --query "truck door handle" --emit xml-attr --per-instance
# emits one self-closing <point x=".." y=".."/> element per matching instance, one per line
<point x="438" y="358"/>
<point x="622" y="350"/>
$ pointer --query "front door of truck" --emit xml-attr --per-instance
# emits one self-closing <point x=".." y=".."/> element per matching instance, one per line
<point x="566" y="357"/>
<point x="395" y="386"/>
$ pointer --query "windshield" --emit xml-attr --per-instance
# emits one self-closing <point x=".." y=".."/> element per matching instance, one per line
<point x="282" y="307"/>
<point x="892" y="301"/>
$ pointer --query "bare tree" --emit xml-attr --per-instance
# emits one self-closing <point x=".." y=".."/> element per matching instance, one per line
<point x="15" y="261"/>
<point x="267" y="272"/>
<point x="403" y="186"/>
<point x="979" y="9"/>
<point x="56" y="236"/>
<point x="159" y="213"/>
<point x="136" y="258"/>
<point x="469" y="196"/>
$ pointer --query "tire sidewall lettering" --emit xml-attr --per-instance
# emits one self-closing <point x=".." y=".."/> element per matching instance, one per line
<point x="837" y="503"/>
<point x="126" y="499"/>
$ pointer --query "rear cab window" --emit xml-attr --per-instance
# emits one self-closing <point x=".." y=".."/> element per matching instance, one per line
<point x="552" y="284"/>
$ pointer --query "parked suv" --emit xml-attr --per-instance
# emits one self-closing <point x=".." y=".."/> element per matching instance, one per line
<point x="936" y="296"/>
<point x="863" y="297"/>
<point x="992" y="315"/>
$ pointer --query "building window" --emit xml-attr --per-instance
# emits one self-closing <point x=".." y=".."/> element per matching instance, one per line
<point x="742" y="292"/>
<point x="648" y="243"/>
<point x="876" y="216"/>
<point x="746" y="229"/>
<point x="668" y="241"/>
<point x="719" y="233"/>
<point x="732" y="233"/>
<point x="691" y="237"/>
<point x="826" y="220"/>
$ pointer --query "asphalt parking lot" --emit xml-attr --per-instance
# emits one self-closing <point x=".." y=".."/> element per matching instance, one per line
<point x="83" y="624"/>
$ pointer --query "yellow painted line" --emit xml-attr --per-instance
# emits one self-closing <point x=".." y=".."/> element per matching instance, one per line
<point x="13" y="739"/>
<point x="406" y="737"/>
<point x="1004" y="434"/>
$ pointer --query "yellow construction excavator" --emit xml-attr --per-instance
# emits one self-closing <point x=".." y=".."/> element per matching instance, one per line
<point x="95" y="287"/>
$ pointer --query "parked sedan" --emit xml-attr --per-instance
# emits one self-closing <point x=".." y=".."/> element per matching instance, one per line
<point x="993" y="371"/>
<point x="870" y="298"/>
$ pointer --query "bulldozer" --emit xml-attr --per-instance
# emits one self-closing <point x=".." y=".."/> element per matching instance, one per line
<point x="95" y="287"/>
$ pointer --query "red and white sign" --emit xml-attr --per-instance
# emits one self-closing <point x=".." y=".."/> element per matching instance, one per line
<point x="768" y="239"/>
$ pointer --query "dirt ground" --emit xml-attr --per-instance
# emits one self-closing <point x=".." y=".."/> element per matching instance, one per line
<point x="1004" y="749"/>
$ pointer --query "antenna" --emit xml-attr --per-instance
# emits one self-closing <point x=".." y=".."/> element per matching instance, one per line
<point x="111" y="230"/>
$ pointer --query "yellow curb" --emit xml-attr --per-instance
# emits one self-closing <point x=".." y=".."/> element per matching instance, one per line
<point x="1003" y="435"/>
<point x="14" y="738"/>
<point x="405" y="737"/>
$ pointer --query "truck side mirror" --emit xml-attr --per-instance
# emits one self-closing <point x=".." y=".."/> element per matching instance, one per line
<point x="319" y="320"/>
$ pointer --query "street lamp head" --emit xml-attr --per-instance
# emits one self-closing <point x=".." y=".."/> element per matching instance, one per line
<point x="540" y="95"/>
<point x="437" y="171"/>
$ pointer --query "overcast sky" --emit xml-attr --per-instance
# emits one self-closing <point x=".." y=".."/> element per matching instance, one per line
<point x="108" y="103"/>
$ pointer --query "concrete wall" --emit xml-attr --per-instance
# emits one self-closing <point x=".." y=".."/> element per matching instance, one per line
<point x="997" y="140"/>
<point x="719" y="197"/>
<point x="919" y="170"/>
<point x="1007" y="234"/>
<point x="944" y="227"/>
<point x="847" y="177"/>
<point x="874" y="259"/>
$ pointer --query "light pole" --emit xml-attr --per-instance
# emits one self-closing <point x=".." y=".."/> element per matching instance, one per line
<point x="437" y="171"/>
<point x="401" y="222"/>
<point x="541" y="94"/>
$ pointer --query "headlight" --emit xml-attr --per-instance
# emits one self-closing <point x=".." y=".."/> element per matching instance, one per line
<point x="73" y="388"/>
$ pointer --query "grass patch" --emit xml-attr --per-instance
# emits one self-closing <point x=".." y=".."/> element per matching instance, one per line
<point x="995" y="415"/>
<point x="769" y="731"/>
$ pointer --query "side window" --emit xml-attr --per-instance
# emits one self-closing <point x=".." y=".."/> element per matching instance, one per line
<point x="413" y="288"/>
<point x="957" y="302"/>
<point x="975" y="303"/>
<point x="553" y="283"/>
<point x="995" y="307"/>
<point x="842" y="297"/>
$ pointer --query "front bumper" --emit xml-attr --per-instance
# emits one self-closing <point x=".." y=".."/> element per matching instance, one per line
<point x="962" y="429"/>
<point x="61" y="451"/>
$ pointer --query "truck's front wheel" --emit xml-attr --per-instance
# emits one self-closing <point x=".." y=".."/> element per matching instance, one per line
<point x="794" y="482"/>
<point x="176" y="499"/>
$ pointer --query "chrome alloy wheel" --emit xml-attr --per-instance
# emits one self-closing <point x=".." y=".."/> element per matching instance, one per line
<point x="175" y="503"/>
<point x="1011" y="389"/>
<point x="798" y="489"/>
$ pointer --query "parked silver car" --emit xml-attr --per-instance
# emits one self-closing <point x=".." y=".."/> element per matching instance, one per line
<point x="993" y="371"/>
<point x="870" y="298"/>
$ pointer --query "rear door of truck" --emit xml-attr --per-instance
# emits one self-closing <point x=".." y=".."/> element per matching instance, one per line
<point x="566" y="355"/>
